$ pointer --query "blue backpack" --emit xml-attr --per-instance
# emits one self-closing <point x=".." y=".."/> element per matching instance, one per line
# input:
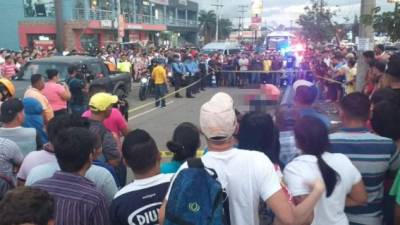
<point x="197" y="198"/>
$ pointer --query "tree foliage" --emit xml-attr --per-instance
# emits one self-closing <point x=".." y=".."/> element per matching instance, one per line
<point x="317" y="22"/>
<point x="387" y="23"/>
<point x="225" y="28"/>
<point x="207" y="21"/>
<point x="208" y="26"/>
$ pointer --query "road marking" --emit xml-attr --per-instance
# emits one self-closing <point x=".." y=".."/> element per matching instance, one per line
<point x="146" y="112"/>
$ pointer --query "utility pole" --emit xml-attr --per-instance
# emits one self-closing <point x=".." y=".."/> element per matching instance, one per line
<point x="120" y="21"/>
<point x="242" y="10"/>
<point x="366" y="35"/>
<point x="59" y="26"/>
<point x="217" y="6"/>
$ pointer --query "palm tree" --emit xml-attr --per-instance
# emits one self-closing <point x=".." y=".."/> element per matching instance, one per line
<point x="225" y="28"/>
<point x="207" y="21"/>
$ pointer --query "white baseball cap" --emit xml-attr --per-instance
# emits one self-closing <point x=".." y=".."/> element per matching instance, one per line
<point x="299" y="83"/>
<point x="217" y="117"/>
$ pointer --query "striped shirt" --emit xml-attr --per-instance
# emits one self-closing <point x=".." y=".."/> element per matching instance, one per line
<point x="373" y="156"/>
<point x="77" y="200"/>
<point x="8" y="70"/>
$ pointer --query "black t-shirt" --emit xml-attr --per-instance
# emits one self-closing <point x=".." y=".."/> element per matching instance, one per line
<point x="140" y="201"/>
<point x="75" y="86"/>
<point x="397" y="90"/>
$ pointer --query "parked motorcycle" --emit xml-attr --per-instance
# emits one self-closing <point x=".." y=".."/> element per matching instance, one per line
<point x="146" y="87"/>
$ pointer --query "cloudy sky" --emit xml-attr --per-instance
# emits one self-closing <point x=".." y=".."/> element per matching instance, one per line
<point x="284" y="11"/>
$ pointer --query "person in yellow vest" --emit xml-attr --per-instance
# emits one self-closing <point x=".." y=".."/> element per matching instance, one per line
<point x="159" y="75"/>
<point x="124" y="65"/>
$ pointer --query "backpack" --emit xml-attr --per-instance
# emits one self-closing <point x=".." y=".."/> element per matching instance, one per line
<point x="197" y="198"/>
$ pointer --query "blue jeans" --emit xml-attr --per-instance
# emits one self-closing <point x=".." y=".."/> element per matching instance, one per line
<point x="255" y="78"/>
<point x="160" y="90"/>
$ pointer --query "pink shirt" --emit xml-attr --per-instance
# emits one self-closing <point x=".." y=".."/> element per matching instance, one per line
<point x="34" y="159"/>
<point x="53" y="93"/>
<point x="8" y="70"/>
<point x="114" y="123"/>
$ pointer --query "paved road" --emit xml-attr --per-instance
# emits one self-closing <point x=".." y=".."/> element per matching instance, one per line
<point x="160" y="123"/>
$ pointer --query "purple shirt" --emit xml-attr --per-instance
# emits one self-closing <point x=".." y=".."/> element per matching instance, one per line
<point x="77" y="200"/>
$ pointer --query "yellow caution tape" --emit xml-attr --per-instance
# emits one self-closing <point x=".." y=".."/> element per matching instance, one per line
<point x="168" y="154"/>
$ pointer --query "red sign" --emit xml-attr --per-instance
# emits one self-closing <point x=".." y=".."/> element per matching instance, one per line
<point x="256" y="19"/>
<point x="121" y="26"/>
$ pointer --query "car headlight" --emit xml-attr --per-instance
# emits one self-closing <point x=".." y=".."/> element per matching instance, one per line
<point x="144" y="80"/>
<point x="169" y="74"/>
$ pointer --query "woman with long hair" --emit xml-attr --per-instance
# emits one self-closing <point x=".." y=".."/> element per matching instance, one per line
<point x="184" y="144"/>
<point x="344" y="186"/>
<point x="257" y="132"/>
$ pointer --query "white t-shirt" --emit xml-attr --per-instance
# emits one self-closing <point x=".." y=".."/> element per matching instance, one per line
<point x="247" y="176"/>
<point x="244" y="64"/>
<point x="304" y="169"/>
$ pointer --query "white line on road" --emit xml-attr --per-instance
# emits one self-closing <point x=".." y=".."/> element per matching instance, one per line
<point x="146" y="112"/>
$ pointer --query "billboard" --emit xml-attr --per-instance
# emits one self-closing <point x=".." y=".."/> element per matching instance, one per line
<point x="256" y="14"/>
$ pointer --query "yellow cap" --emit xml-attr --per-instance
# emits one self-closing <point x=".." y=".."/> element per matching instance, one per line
<point x="9" y="85"/>
<point x="102" y="101"/>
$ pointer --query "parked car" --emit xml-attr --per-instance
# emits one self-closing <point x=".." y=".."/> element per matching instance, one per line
<point x="90" y="68"/>
<point x="226" y="48"/>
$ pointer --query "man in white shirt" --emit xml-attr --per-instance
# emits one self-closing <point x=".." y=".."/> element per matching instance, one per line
<point x="243" y="67"/>
<point x="247" y="176"/>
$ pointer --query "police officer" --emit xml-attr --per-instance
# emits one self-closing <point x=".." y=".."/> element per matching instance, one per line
<point x="178" y="71"/>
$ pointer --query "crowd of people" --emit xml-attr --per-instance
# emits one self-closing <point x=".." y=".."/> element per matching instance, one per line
<point x="64" y="159"/>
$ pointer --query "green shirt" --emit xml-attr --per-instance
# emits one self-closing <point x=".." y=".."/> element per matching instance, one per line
<point x="395" y="191"/>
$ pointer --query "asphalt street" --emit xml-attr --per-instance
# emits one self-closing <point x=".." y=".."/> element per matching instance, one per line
<point x="161" y="122"/>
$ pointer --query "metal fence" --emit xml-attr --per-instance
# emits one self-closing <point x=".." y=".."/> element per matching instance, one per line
<point x="98" y="14"/>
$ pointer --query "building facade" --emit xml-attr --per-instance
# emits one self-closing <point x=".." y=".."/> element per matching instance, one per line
<point x="97" y="23"/>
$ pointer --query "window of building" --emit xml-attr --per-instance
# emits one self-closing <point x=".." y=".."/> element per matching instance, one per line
<point x="39" y="8"/>
<point x="90" y="41"/>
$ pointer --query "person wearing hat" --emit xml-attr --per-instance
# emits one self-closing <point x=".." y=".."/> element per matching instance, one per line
<point x="178" y="71"/>
<point x="12" y="116"/>
<point x="7" y="90"/>
<point x="191" y="68"/>
<point x="246" y="175"/>
<point x="100" y="106"/>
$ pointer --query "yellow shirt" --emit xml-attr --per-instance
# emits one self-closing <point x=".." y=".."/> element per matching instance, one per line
<point x="267" y="65"/>
<point x="124" y="67"/>
<point x="48" y="113"/>
<point x="159" y="75"/>
<point x="351" y="77"/>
